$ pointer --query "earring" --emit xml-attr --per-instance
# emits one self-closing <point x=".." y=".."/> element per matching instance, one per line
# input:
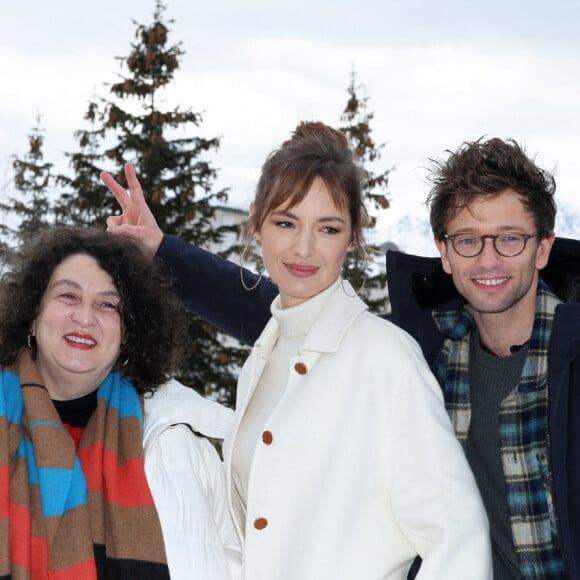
<point x="364" y="255"/>
<point x="29" y="340"/>
<point x="242" y="258"/>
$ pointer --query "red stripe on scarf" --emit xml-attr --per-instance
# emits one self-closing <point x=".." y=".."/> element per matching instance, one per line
<point x="20" y="531"/>
<point x="126" y="484"/>
<point x="129" y="487"/>
<point x="76" y="433"/>
<point x="39" y="560"/>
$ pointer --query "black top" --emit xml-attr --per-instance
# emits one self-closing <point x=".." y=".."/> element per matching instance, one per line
<point x="77" y="412"/>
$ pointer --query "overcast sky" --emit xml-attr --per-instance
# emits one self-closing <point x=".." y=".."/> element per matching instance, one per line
<point x="437" y="73"/>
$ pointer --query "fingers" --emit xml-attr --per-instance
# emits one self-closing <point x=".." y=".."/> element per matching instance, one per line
<point x="113" y="221"/>
<point x="134" y="185"/>
<point x="136" y="221"/>
<point x="119" y="192"/>
<point x="125" y="198"/>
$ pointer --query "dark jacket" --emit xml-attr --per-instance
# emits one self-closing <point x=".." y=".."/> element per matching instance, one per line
<point x="417" y="285"/>
<point x="564" y="428"/>
<point x="211" y="288"/>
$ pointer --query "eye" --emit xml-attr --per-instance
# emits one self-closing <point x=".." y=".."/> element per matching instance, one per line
<point x="109" y="306"/>
<point x="510" y="238"/>
<point x="330" y="230"/>
<point x="67" y="297"/>
<point x="283" y="224"/>
<point x="466" y="240"/>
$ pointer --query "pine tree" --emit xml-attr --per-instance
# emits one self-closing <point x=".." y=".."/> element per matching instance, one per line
<point x="177" y="179"/>
<point x="29" y="206"/>
<point x="82" y="200"/>
<point x="356" y="125"/>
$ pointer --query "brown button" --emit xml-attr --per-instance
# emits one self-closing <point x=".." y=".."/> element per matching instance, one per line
<point x="300" y="368"/>
<point x="267" y="437"/>
<point x="260" y="523"/>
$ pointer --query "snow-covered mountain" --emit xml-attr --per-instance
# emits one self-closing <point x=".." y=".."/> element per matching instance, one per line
<point x="568" y="222"/>
<point x="412" y="233"/>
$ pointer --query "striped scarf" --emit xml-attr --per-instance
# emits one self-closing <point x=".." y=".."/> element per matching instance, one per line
<point x="522" y="433"/>
<point x="67" y="515"/>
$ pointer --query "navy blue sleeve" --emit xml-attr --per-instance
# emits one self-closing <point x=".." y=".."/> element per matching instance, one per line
<point x="210" y="287"/>
<point x="564" y="429"/>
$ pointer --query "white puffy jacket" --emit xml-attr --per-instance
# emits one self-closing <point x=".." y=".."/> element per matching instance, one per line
<point x="187" y="481"/>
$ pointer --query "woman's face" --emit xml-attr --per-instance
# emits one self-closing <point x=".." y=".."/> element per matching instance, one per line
<point x="78" y="330"/>
<point x="303" y="248"/>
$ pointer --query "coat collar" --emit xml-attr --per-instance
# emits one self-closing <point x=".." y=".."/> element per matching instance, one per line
<point x="336" y="316"/>
<point x="565" y="346"/>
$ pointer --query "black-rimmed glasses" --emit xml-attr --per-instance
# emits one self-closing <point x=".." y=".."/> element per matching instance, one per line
<point x="508" y="244"/>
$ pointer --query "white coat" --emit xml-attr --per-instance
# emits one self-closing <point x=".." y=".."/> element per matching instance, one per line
<point x="187" y="481"/>
<point x="358" y="469"/>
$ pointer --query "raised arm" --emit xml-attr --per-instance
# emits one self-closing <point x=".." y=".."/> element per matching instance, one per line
<point x="208" y="285"/>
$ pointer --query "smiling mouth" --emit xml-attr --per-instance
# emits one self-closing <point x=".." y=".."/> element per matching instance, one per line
<point x="301" y="270"/>
<point x="81" y="340"/>
<point x="491" y="281"/>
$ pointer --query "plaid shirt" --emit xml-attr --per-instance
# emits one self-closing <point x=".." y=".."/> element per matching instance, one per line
<point x="522" y="433"/>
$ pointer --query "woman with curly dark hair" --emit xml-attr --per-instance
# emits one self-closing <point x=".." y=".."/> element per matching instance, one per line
<point x="89" y="331"/>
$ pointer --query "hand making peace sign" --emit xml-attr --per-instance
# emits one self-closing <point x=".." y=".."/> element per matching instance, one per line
<point x="136" y="221"/>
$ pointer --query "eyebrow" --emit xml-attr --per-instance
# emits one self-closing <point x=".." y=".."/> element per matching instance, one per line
<point x="503" y="229"/>
<point x="67" y="282"/>
<point x="283" y="213"/>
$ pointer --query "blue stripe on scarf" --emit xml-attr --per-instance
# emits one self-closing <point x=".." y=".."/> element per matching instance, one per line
<point x="123" y="398"/>
<point x="47" y="424"/>
<point x="73" y="481"/>
<point x="514" y="429"/>
<point x="11" y="403"/>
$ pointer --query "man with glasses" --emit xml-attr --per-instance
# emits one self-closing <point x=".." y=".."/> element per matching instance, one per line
<point x="505" y="350"/>
<point x="494" y="334"/>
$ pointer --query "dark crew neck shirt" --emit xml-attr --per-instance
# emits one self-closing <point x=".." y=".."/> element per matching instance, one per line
<point x="491" y="379"/>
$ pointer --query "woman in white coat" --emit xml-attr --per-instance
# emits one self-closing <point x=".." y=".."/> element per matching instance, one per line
<point x="342" y="463"/>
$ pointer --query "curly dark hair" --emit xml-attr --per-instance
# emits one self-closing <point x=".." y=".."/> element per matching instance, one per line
<point x="314" y="150"/>
<point x="486" y="168"/>
<point x="153" y="321"/>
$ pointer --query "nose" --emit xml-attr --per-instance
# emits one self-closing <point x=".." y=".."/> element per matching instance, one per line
<point x="84" y="314"/>
<point x="489" y="254"/>
<point x="302" y="243"/>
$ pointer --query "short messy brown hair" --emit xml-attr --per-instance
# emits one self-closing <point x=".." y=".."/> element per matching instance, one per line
<point x="486" y="168"/>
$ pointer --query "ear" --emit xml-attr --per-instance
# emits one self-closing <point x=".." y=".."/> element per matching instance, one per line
<point x="252" y="212"/>
<point x="443" y="250"/>
<point x="543" y="251"/>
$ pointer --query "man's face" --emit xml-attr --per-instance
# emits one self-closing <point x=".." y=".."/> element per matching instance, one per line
<point x="491" y="283"/>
